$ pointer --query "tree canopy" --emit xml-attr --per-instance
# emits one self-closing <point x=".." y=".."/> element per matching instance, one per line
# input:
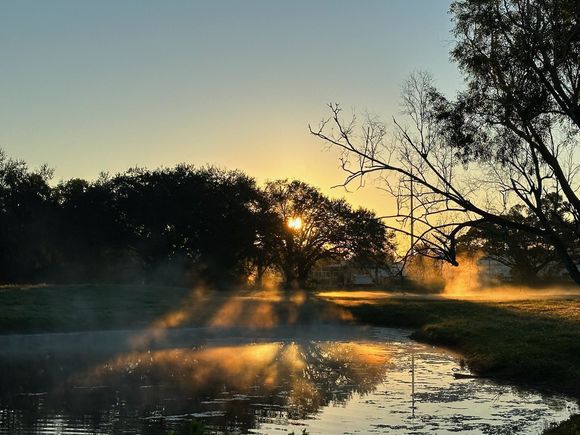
<point x="530" y="257"/>
<point x="510" y="138"/>
<point x="174" y="226"/>
<point x="313" y="227"/>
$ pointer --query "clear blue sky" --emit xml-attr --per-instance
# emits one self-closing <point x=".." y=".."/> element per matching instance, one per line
<point x="87" y="86"/>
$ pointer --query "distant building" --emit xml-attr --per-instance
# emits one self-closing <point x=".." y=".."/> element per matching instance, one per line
<point x="346" y="274"/>
<point x="491" y="270"/>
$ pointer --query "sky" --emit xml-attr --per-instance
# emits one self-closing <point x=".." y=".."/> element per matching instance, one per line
<point x="106" y="85"/>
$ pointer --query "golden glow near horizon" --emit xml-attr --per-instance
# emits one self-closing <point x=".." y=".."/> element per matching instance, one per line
<point x="186" y="107"/>
<point x="295" y="223"/>
<point x="257" y="368"/>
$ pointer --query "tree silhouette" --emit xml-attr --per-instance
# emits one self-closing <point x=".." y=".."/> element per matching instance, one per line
<point x="27" y="216"/>
<point x="202" y="221"/>
<point x="510" y="138"/>
<point x="527" y="255"/>
<point x="313" y="227"/>
<point x="175" y="226"/>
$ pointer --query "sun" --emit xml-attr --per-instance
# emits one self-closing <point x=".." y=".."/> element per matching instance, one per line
<point x="295" y="223"/>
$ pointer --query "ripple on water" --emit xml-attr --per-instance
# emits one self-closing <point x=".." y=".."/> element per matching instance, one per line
<point x="358" y="382"/>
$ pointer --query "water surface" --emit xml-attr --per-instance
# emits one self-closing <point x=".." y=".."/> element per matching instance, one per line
<point x="322" y="378"/>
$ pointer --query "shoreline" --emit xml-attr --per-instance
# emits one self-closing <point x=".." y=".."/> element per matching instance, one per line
<point x="529" y="343"/>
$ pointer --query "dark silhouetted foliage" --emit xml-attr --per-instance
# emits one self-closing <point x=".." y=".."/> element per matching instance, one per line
<point x="172" y="226"/>
<point x="510" y="137"/>
<point x="328" y="229"/>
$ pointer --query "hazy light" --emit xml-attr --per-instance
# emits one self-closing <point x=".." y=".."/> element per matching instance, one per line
<point x="295" y="223"/>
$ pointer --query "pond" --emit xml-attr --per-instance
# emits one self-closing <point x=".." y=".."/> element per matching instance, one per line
<point x="326" y="379"/>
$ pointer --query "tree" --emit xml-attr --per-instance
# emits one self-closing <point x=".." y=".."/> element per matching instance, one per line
<point x="200" y="222"/>
<point x="312" y="227"/>
<point x="27" y="217"/>
<point x="267" y="241"/>
<point x="93" y="242"/>
<point x="177" y="226"/>
<point x="510" y="138"/>
<point x="526" y="254"/>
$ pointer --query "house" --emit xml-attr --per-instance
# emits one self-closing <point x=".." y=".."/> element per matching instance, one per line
<point x="491" y="270"/>
<point x="347" y="274"/>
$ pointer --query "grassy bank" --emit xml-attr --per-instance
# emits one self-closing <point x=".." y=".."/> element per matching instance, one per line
<point x="106" y="307"/>
<point x="535" y="343"/>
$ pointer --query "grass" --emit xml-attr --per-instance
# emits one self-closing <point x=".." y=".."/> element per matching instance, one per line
<point x="84" y="307"/>
<point x="75" y="308"/>
<point x="533" y="343"/>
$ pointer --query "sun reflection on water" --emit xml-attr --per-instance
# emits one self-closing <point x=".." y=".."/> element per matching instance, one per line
<point x="350" y="384"/>
<point x="306" y="375"/>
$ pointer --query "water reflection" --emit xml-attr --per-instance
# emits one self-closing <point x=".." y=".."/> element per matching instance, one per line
<point x="231" y="385"/>
<point x="285" y="381"/>
<point x="299" y="377"/>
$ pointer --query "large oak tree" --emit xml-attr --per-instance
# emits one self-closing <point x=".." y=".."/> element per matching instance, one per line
<point x="313" y="227"/>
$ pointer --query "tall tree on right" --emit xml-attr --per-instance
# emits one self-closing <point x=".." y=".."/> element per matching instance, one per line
<point x="510" y="138"/>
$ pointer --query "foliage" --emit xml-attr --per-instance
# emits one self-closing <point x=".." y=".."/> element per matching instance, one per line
<point x="27" y="213"/>
<point x="328" y="229"/>
<point x="510" y="138"/>
<point x="528" y="255"/>
<point x="176" y="226"/>
<point x="200" y="220"/>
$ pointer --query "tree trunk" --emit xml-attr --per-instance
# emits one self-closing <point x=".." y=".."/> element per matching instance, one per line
<point x="259" y="276"/>
<point x="290" y="276"/>
<point x="303" y="274"/>
<point x="569" y="263"/>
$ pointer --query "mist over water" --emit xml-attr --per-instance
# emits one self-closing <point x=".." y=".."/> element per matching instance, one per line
<point x="253" y="362"/>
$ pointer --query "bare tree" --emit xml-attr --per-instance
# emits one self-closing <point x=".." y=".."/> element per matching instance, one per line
<point x="510" y="138"/>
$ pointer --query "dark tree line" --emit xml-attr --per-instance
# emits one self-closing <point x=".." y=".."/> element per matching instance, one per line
<point x="178" y="225"/>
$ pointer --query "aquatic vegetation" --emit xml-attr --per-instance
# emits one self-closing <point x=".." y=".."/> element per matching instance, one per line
<point x="193" y="427"/>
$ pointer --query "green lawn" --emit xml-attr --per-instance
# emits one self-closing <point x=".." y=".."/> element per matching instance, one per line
<point x="85" y="307"/>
